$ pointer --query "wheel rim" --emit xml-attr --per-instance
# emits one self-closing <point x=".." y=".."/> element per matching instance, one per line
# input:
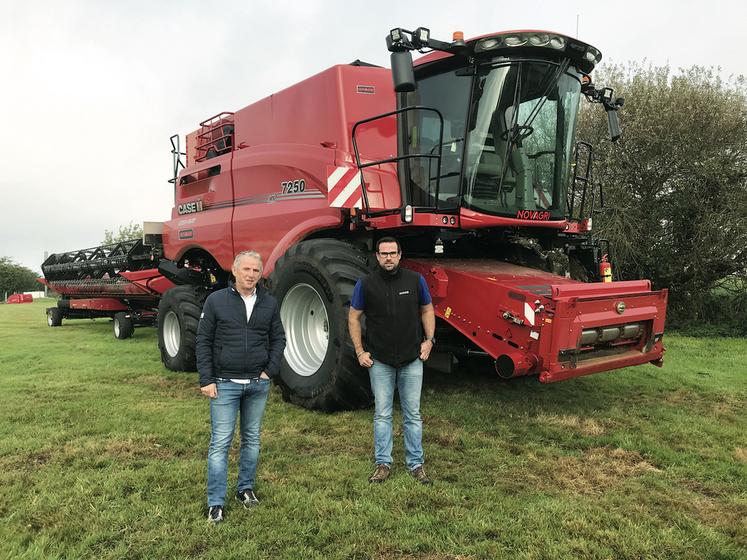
<point x="171" y="333"/>
<point x="49" y="319"/>
<point x="306" y="325"/>
<point x="116" y="328"/>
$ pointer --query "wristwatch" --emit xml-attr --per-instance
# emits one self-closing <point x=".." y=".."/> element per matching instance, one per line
<point x="432" y="340"/>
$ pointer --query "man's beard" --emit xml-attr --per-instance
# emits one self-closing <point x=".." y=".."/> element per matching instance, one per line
<point x="389" y="272"/>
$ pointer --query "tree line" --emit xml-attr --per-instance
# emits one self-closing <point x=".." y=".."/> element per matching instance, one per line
<point x="15" y="278"/>
<point x="675" y="188"/>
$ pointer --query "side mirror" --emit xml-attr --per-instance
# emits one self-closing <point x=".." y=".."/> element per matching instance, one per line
<point x="402" y="72"/>
<point x="613" y="123"/>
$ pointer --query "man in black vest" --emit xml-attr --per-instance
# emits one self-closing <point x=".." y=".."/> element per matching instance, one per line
<point x="400" y="325"/>
<point x="240" y="342"/>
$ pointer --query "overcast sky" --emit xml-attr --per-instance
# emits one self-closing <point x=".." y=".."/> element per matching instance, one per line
<point x="90" y="91"/>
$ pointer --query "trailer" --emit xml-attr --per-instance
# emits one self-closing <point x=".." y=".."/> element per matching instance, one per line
<point x="468" y="156"/>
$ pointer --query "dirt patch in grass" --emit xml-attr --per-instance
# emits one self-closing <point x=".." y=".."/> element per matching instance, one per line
<point x="140" y="449"/>
<point x="722" y="405"/>
<point x="443" y="433"/>
<point x="172" y="387"/>
<point x="385" y="554"/>
<point x="596" y="471"/>
<point x="740" y="454"/>
<point x="584" y="426"/>
<point x="123" y="449"/>
<point x="26" y="461"/>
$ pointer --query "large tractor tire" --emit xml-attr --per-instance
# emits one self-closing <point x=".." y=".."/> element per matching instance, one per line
<point x="313" y="283"/>
<point x="178" y="316"/>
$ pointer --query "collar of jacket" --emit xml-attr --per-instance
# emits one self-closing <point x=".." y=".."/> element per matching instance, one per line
<point x="259" y="290"/>
<point x="389" y="276"/>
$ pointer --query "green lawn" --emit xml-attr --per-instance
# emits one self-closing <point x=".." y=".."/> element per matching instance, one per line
<point x="102" y="455"/>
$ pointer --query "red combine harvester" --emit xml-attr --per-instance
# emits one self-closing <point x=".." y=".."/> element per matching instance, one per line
<point x="469" y="160"/>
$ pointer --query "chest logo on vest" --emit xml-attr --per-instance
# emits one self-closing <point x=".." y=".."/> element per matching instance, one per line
<point x="404" y="293"/>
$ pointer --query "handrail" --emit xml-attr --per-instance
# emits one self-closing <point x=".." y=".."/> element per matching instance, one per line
<point x="404" y="194"/>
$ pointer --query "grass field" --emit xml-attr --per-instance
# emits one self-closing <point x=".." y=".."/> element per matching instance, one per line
<point x="102" y="455"/>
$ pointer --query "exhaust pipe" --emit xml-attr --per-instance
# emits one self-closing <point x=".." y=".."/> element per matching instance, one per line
<point x="515" y="364"/>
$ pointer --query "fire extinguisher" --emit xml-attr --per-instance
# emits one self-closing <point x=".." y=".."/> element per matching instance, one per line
<point x="605" y="270"/>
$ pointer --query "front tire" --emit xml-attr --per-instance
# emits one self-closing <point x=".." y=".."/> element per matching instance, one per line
<point x="54" y="317"/>
<point x="178" y="316"/>
<point x="313" y="283"/>
<point x="123" y="326"/>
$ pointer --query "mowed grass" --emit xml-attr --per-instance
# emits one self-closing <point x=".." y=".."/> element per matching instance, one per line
<point x="102" y="455"/>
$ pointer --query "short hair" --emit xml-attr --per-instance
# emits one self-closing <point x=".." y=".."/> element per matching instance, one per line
<point x="252" y="254"/>
<point x="388" y="239"/>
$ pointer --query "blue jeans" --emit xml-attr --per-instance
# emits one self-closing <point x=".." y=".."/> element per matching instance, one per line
<point x="409" y="381"/>
<point x="232" y="397"/>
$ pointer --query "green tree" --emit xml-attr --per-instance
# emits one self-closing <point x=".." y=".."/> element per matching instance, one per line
<point x="124" y="233"/>
<point x="16" y="278"/>
<point x="676" y="185"/>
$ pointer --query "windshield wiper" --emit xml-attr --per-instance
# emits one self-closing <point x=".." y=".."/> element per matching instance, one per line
<point x="516" y="134"/>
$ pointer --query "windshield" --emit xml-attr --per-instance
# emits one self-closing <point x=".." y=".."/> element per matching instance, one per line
<point x="507" y="140"/>
<point x="520" y="139"/>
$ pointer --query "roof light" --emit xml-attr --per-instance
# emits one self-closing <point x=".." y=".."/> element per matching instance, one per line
<point x="407" y="214"/>
<point x="396" y="34"/>
<point x="423" y="34"/>
<point x="593" y="55"/>
<point x="487" y="44"/>
<point x="557" y="43"/>
<point x="515" y="40"/>
<point x="458" y="36"/>
<point x="539" y="40"/>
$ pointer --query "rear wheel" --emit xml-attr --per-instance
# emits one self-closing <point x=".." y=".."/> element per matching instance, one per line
<point x="178" y="316"/>
<point x="313" y="283"/>
<point x="54" y="317"/>
<point x="123" y="325"/>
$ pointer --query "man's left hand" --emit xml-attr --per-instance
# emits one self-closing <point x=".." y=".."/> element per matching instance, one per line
<point x="264" y="375"/>
<point x="425" y="349"/>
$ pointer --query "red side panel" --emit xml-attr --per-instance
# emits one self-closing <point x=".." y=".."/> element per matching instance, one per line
<point x="98" y="304"/>
<point x="271" y="190"/>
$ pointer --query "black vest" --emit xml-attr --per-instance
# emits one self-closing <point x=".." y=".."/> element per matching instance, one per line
<point x="392" y="309"/>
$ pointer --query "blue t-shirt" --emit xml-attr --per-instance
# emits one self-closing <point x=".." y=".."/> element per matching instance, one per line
<point x="358" y="301"/>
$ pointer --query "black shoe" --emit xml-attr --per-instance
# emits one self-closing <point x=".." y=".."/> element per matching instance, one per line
<point x="248" y="498"/>
<point x="215" y="514"/>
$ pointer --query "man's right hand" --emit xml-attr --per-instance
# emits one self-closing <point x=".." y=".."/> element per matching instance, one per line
<point x="210" y="390"/>
<point x="365" y="359"/>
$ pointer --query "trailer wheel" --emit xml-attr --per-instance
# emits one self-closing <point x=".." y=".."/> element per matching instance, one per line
<point x="54" y="317"/>
<point x="313" y="283"/>
<point x="123" y="326"/>
<point x="178" y="315"/>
